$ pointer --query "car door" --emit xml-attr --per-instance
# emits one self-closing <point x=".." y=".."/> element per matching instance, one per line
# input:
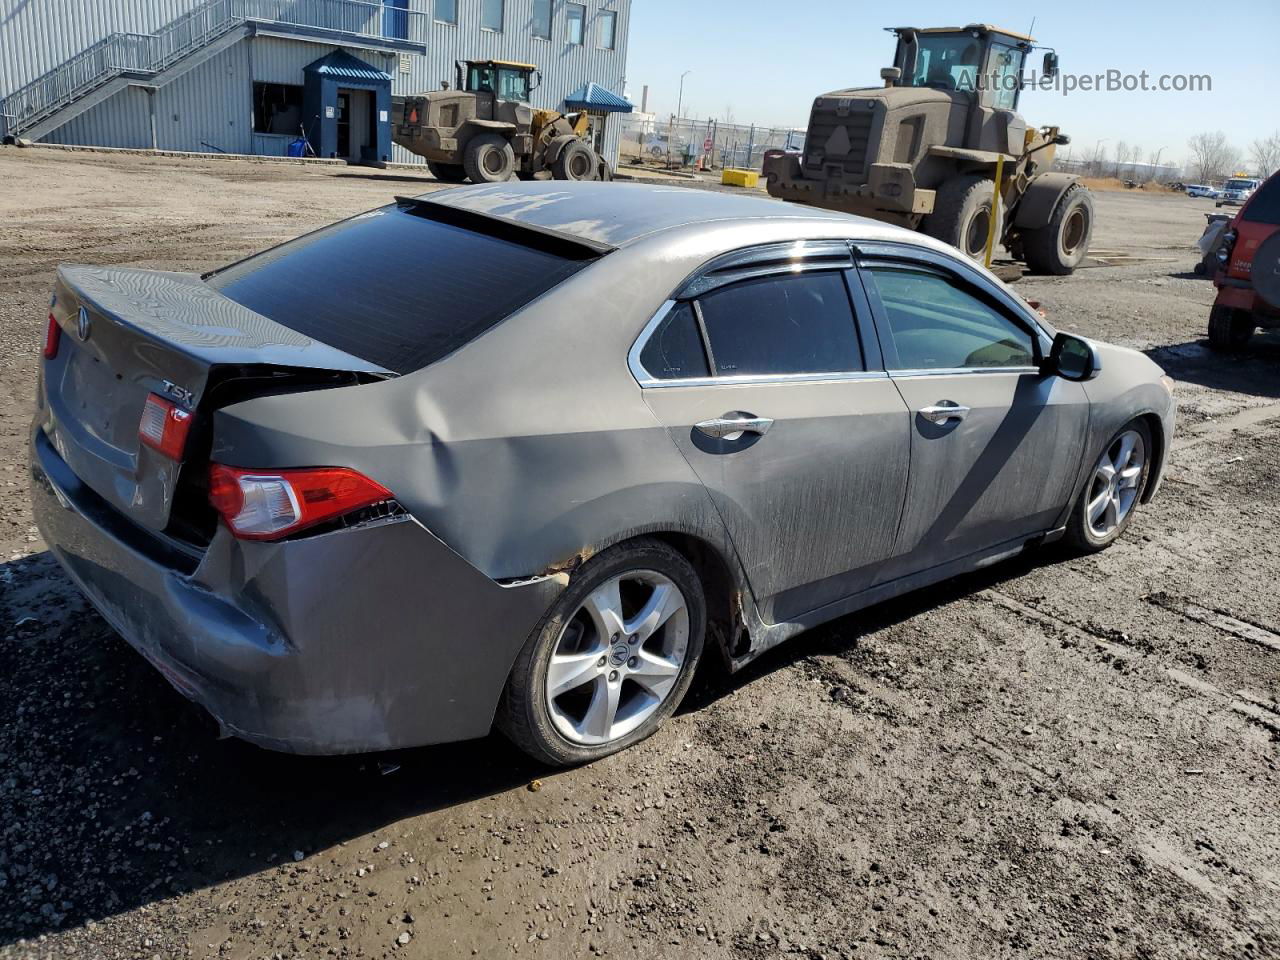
<point x="995" y="444"/>
<point x="760" y="373"/>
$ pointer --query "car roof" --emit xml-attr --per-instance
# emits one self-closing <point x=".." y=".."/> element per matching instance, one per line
<point x="617" y="214"/>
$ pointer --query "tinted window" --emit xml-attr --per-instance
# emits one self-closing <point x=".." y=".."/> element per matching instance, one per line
<point x="1264" y="205"/>
<point x="937" y="325"/>
<point x="674" y="350"/>
<point x="401" y="286"/>
<point x="799" y="323"/>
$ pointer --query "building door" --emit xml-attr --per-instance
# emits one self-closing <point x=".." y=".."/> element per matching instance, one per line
<point x="355" y="124"/>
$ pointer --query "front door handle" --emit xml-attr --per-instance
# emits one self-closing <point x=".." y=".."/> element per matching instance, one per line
<point x="944" y="410"/>
<point x="732" y="426"/>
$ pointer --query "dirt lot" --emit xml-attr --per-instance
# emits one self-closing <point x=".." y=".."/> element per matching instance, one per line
<point x="1059" y="757"/>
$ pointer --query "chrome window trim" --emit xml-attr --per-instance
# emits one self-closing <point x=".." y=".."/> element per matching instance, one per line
<point x="646" y="380"/>
<point x="958" y="371"/>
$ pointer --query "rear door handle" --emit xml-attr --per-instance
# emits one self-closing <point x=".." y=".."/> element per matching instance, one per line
<point x="733" y="425"/>
<point x="944" y="410"/>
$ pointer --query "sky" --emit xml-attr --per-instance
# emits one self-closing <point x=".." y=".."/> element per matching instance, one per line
<point x="767" y="61"/>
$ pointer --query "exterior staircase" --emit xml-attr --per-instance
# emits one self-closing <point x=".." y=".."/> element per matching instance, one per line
<point x="153" y="59"/>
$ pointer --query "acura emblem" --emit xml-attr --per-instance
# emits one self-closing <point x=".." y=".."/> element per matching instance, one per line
<point x="82" y="324"/>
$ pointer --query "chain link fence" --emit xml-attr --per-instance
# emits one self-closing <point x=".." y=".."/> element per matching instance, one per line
<point x="706" y="144"/>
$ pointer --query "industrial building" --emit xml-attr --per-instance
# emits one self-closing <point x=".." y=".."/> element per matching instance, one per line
<point x="254" y="76"/>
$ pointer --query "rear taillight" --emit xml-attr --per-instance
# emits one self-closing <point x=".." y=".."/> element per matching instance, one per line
<point x="269" y="504"/>
<point x="164" y="426"/>
<point x="52" y="334"/>
<point x="1225" y="246"/>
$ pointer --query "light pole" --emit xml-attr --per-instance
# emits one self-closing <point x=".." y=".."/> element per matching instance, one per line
<point x="1155" y="164"/>
<point x="679" y="105"/>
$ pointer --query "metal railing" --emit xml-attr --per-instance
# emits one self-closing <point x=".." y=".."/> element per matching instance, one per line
<point x="149" y="54"/>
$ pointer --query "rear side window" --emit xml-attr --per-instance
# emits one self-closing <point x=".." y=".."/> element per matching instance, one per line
<point x="798" y="323"/>
<point x="674" y="350"/>
<point x="404" y="285"/>
<point x="938" y="326"/>
<point x="1264" y="205"/>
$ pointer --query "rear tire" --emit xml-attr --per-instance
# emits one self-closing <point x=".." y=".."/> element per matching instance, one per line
<point x="576" y="161"/>
<point x="962" y="213"/>
<point x="489" y="159"/>
<point x="1229" y="328"/>
<point x="1060" y="246"/>
<point x="560" y="729"/>
<point x="447" y="172"/>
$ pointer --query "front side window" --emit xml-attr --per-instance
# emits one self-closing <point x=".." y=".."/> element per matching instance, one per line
<point x="607" y="22"/>
<point x="513" y="85"/>
<point x="542" y="19"/>
<point x="797" y="323"/>
<point x="947" y="62"/>
<point x="1005" y="77"/>
<point x="446" y="11"/>
<point x="575" y="18"/>
<point x="937" y="325"/>
<point x="491" y="14"/>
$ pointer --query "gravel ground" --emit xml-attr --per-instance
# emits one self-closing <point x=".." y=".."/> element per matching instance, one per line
<point x="1058" y="757"/>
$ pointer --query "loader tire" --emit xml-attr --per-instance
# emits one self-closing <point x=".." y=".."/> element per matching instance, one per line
<point x="576" y="161"/>
<point x="489" y="159"/>
<point x="447" y="172"/>
<point x="962" y="214"/>
<point x="1060" y="246"/>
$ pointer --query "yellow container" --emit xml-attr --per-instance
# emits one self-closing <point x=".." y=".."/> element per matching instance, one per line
<point x="740" y="178"/>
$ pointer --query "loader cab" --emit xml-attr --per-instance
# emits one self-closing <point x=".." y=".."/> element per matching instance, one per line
<point x="978" y="61"/>
<point x="501" y="79"/>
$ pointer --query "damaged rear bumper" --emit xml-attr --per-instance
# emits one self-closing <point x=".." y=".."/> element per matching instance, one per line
<point x="371" y="638"/>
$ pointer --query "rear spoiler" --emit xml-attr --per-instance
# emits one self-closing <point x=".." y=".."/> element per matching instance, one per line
<point x="567" y="245"/>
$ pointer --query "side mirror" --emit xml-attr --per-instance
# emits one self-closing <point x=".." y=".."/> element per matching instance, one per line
<point x="1072" y="358"/>
<point x="537" y="80"/>
<point x="1050" y="66"/>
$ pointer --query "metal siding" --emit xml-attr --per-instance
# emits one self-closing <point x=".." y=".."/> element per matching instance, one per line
<point x="39" y="35"/>
<point x="210" y="103"/>
<point x="214" y="101"/>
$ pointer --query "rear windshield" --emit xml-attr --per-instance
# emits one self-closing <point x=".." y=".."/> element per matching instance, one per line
<point x="1264" y="205"/>
<point x="404" y="285"/>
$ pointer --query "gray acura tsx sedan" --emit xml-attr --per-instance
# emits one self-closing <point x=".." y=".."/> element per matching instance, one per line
<point x="521" y="454"/>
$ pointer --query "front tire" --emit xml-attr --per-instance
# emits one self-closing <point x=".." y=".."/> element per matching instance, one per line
<point x="1057" y="248"/>
<point x="576" y="161"/>
<point x="1229" y="328"/>
<point x="611" y="660"/>
<point x="1113" y="490"/>
<point x="489" y="159"/>
<point x="962" y="215"/>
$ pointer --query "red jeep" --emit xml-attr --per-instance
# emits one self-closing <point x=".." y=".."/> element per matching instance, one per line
<point x="1248" y="277"/>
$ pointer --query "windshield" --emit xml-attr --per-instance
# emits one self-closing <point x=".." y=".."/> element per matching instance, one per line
<point x="947" y="62"/>
<point x="1241" y="184"/>
<point x="507" y="83"/>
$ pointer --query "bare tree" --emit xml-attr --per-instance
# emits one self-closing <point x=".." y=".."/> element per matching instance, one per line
<point x="1264" y="155"/>
<point x="1122" y="156"/>
<point x="1098" y="161"/>
<point x="1135" y="158"/>
<point x="1212" y="157"/>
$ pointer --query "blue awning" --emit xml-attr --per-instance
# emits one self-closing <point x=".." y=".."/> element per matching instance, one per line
<point x="592" y="96"/>
<point x="344" y="66"/>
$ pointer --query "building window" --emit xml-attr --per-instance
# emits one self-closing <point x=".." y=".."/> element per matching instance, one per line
<point x="395" y="19"/>
<point x="542" y="19"/>
<point x="277" y="108"/>
<point x="491" y="15"/>
<point x="447" y="11"/>
<point x="576" y="16"/>
<point x="607" y="27"/>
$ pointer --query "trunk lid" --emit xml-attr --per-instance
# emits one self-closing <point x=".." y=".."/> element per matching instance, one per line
<point x="128" y="333"/>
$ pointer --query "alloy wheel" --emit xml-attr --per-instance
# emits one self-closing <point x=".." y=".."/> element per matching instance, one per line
<point x="618" y="657"/>
<point x="1114" y="487"/>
